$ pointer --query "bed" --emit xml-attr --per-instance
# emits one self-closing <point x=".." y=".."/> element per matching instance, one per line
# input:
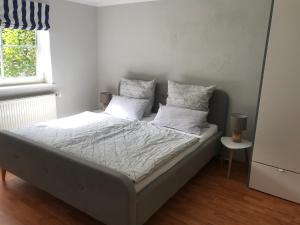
<point x="107" y="194"/>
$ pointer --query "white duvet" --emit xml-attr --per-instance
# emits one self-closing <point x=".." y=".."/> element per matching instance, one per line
<point x="133" y="148"/>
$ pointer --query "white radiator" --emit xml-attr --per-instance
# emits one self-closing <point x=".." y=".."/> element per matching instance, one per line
<point x="16" y="113"/>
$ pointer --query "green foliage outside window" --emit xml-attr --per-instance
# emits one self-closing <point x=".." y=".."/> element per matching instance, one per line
<point x="18" y="53"/>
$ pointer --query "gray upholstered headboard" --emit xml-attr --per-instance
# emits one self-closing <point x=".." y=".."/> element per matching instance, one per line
<point x="218" y="106"/>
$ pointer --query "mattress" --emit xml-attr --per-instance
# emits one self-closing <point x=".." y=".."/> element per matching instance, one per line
<point x="206" y="133"/>
<point x="133" y="148"/>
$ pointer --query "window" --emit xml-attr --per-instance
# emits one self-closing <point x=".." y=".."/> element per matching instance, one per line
<point x="21" y="57"/>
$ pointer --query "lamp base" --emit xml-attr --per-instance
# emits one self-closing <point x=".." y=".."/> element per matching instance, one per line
<point x="237" y="136"/>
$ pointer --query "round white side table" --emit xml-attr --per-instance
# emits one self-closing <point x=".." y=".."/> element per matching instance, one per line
<point x="234" y="146"/>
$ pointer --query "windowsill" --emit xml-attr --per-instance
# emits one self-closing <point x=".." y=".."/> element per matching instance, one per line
<point x="25" y="90"/>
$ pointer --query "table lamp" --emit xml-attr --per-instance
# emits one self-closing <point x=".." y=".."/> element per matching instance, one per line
<point x="239" y="124"/>
<point x="105" y="98"/>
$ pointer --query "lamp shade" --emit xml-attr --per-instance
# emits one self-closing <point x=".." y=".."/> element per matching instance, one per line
<point x="105" y="98"/>
<point x="239" y="121"/>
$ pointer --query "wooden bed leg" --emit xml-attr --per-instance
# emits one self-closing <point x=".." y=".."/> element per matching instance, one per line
<point x="3" y="174"/>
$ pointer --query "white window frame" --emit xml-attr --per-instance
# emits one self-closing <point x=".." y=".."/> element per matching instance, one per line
<point x="43" y="63"/>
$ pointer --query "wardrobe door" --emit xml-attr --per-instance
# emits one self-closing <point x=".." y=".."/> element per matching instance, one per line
<point x="277" y="141"/>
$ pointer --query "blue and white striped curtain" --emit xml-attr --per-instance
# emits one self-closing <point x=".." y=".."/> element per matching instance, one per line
<point x="24" y="15"/>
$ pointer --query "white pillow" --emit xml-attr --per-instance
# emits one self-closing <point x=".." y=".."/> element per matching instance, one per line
<point x="127" y="108"/>
<point x="194" y="97"/>
<point x="186" y="120"/>
<point x="139" y="89"/>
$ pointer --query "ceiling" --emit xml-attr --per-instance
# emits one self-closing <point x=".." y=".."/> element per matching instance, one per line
<point x="100" y="3"/>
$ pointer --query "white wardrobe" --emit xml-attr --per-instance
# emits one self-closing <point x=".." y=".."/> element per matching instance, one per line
<point x="275" y="167"/>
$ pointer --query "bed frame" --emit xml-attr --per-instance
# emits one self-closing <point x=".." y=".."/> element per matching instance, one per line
<point x="102" y="193"/>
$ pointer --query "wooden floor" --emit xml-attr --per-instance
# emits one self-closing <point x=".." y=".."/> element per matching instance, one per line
<point x="208" y="199"/>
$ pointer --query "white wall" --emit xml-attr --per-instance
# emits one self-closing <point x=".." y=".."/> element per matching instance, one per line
<point x="196" y="41"/>
<point x="73" y="40"/>
<point x="73" y="48"/>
